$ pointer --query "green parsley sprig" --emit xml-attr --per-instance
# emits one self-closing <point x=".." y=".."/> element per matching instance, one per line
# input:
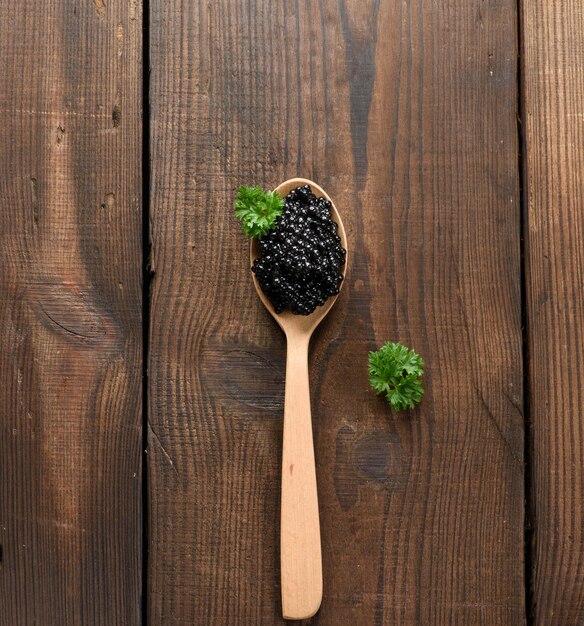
<point x="257" y="209"/>
<point x="397" y="372"/>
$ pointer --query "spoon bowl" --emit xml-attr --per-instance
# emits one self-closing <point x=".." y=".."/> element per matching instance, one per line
<point x="300" y="551"/>
<point x="289" y="322"/>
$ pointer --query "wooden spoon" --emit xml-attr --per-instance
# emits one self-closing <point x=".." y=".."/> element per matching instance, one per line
<point x="300" y="555"/>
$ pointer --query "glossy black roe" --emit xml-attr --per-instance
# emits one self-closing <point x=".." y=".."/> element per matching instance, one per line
<point x="301" y="259"/>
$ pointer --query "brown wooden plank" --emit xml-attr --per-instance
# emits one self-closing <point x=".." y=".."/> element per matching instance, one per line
<point x="405" y="112"/>
<point x="70" y="312"/>
<point x="553" y="75"/>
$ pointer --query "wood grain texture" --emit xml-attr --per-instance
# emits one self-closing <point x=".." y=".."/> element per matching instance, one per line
<point x="553" y="75"/>
<point x="406" y="114"/>
<point x="70" y="313"/>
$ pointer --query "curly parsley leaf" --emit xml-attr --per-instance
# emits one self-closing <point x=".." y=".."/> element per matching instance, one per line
<point x="257" y="209"/>
<point x="397" y="372"/>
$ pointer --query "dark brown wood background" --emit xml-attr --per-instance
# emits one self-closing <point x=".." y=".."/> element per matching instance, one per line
<point x="70" y="312"/>
<point x="141" y="382"/>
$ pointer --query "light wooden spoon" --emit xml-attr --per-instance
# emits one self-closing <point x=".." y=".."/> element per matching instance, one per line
<point x="300" y="555"/>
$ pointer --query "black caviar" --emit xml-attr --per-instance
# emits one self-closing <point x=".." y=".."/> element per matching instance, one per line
<point x="302" y="257"/>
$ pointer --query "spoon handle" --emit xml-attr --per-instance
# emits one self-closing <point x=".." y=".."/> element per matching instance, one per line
<point x="301" y="563"/>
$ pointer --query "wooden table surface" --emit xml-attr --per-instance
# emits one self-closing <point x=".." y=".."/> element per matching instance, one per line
<point x="141" y="381"/>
